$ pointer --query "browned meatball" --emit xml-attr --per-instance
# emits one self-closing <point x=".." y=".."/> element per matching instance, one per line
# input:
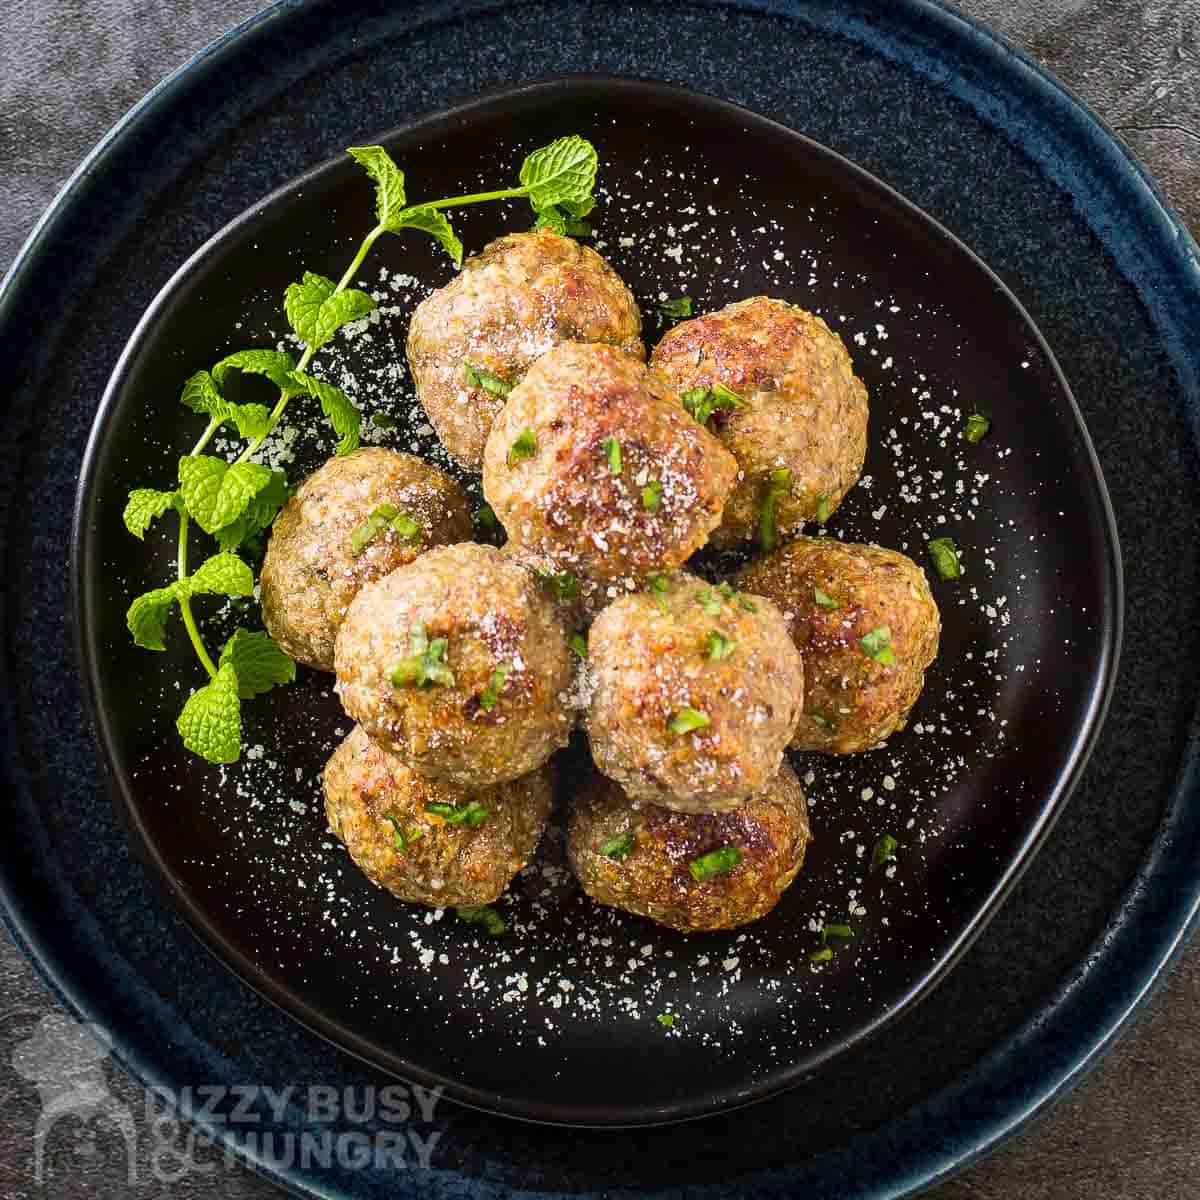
<point x="594" y="466"/>
<point x="315" y="566"/>
<point x="867" y="627"/>
<point x="696" y="692"/>
<point x="459" y="664"/>
<point x="431" y="843"/>
<point x="800" y="432"/>
<point x="510" y="304"/>
<point x="645" y="859"/>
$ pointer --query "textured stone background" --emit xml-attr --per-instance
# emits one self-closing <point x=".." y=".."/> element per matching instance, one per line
<point x="1130" y="1132"/>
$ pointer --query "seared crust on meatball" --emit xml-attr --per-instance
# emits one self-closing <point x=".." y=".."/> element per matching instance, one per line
<point x="311" y="573"/>
<point x="380" y="809"/>
<point x="696" y="693"/>
<point x="803" y="410"/>
<point x="647" y="868"/>
<point x="510" y="304"/>
<point x="594" y="465"/>
<point x="852" y="700"/>
<point x="480" y="660"/>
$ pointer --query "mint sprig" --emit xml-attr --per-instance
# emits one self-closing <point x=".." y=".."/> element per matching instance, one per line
<point x="234" y="501"/>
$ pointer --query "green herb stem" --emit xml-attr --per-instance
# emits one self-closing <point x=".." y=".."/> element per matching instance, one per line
<point x="185" y="603"/>
<point x="473" y="198"/>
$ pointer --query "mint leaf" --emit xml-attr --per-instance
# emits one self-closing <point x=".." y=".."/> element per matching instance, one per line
<point x="336" y="405"/>
<point x="223" y="574"/>
<point x="147" y="617"/>
<point x="565" y="218"/>
<point x="201" y="394"/>
<point x="215" y="492"/>
<point x="274" y="364"/>
<point x="145" y="505"/>
<point x="559" y="220"/>
<point x="211" y="721"/>
<point x="389" y="182"/>
<point x="252" y="420"/>
<point x="563" y="173"/>
<point x="435" y="223"/>
<point x="258" y="661"/>
<point x="316" y="310"/>
<point x="259" y="514"/>
<point x="552" y="218"/>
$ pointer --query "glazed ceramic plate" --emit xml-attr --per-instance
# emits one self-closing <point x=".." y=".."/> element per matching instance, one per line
<point x="968" y="128"/>
<point x="702" y="198"/>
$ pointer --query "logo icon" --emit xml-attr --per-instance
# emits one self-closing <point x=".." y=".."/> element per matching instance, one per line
<point x="65" y="1061"/>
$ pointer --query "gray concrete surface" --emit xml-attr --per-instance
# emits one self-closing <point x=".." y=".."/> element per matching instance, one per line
<point x="1130" y="1132"/>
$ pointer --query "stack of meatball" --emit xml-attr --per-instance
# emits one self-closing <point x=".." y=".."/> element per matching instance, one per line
<point x="467" y="667"/>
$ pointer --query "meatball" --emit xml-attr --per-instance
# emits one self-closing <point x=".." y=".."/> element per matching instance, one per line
<point x="315" y="563"/>
<point x="594" y="465"/>
<point x="459" y="664"/>
<point x="510" y="304"/>
<point x="431" y="843"/>
<point x="696" y="691"/>
<point x="867" y="627"/>
<point x="690" y="871"/>
<point x="799" y="433"/>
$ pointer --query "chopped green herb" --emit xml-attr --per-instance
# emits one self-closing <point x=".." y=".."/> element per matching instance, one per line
<point x="477" y="377"/>
<point x="726" y="592"/>
<point x="564" y="586"/>
<point x="715" y="862"/>
<point x="976" y="427"/>
<point x="383" y="421"/>
<point x="944" y="553"/>
<point x="836" y="931"/>
<point x="823" y="509"/>
<point x="688" y="720"/>
<point x="710" y="602"/>
<point x="822" y="955"/>
<point x="666" y="1020"/>
<point x="824" y="599"/>
<point x="524" y="447"/>
<point x="383" y="517"/>
<point x="719" y="646"/>
<point x="426" y="662"/>
<point x="674" y="310"/>
<point x="618" y="848"/>
<point x="472" y="814"/>
<point x="652" y="496"/>
<point x="823" y="721"/>
<point x="702" y="402"/>
<point x="491" y="693"/>
<point x="399" y="839"/>
<point x="884" y="852"/>
<point x="878" y="645"/>
<point x="406" y="527"/>
<point x="659" y="584"/>
<point x="612" y="451"/>
<point x="778" y="485"/>
<point x="485" y="916"/>
<point x="485" y="517"/>
<point x="578" y="643"/>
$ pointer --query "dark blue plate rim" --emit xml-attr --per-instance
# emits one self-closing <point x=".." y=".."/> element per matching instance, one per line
<point x="1062" y="1040"/>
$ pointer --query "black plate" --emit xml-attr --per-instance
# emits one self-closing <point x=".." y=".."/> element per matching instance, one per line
<point x="528" y="1026"/>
